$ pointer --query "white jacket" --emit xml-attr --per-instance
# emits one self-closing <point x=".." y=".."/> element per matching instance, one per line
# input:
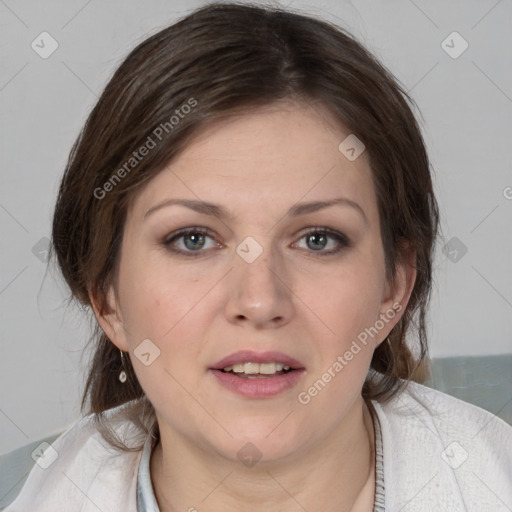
<point x="440" y="454"/>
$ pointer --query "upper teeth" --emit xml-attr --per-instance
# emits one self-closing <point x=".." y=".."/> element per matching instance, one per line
<point x="253" y="368"/>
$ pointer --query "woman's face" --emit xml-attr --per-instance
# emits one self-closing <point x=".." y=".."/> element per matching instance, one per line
<point x="252" y="279"/>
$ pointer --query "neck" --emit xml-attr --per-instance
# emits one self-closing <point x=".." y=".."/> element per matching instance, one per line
<point x="337" y="475"/>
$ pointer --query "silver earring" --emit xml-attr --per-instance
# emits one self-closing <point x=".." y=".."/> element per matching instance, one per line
<point x="122" y="375"/>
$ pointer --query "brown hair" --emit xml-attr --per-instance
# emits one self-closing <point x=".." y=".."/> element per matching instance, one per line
<point x="222" y="59"/>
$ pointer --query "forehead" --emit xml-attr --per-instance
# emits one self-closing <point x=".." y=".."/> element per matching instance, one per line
<point x="272" y="156"/>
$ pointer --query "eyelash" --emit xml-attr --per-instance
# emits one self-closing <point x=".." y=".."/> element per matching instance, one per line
<point x="342" y="240"/>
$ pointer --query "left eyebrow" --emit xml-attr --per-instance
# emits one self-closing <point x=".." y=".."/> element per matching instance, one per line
<point x="313" y="206"/>
<point x="218" y="211"/>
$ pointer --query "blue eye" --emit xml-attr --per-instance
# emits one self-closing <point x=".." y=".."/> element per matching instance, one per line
<point x="194" y="240"/>
<point x="320" y="237"/>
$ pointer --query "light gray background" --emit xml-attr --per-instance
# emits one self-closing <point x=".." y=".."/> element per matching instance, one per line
<point x="466" y="105"/>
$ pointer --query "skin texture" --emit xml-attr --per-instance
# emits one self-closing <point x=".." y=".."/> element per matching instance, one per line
<point x="292" y="298"/>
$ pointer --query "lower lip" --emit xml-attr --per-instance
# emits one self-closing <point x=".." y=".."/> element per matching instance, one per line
<point x="259" y="388"/>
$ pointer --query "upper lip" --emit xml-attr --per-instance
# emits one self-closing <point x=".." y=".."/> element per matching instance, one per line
<point x="250" y="356"/>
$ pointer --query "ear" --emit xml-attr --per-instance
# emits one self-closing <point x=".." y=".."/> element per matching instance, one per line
<point x="107" y="312"/>
<point x="397" y="293"/>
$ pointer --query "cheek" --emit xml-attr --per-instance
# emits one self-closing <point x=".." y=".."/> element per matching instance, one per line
<point x="350" y="308"/>
<point x="352" y="299"/>
<point x="155" y="296"/>
<point x="174" y="314"/>
<point x="174" y="321"/>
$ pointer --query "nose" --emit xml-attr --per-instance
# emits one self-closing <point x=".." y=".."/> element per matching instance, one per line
<point x="259" y="293"/>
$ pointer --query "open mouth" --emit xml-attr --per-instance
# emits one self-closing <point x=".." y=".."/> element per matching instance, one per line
<point x="244" y="375"/>
<point x="259" y="380"/>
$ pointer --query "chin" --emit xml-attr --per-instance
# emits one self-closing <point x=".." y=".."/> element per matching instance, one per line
<point x="262" y="444"/>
